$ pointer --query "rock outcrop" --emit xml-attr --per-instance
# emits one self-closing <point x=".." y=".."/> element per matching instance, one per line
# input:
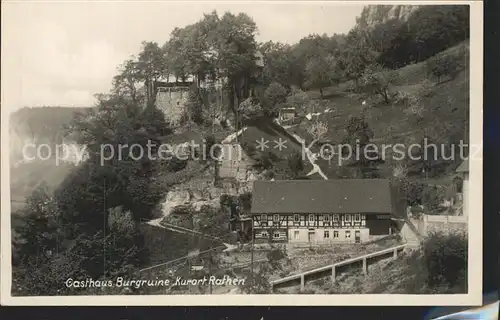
<point x="376" y="14"/>
<point x="202" y="192"/>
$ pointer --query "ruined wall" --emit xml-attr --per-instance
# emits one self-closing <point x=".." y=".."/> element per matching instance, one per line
<point x="173" y="104"/>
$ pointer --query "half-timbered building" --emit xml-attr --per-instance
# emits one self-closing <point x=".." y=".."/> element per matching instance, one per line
<point x="341" y="210"/>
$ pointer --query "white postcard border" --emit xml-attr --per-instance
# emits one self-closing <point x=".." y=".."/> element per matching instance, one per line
<point x="472" y="298"/>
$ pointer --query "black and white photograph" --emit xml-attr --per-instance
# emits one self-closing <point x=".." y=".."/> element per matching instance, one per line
<point x="241" y="153"/>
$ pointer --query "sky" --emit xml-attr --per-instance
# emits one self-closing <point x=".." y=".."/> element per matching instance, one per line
<point x="62" y="53"/>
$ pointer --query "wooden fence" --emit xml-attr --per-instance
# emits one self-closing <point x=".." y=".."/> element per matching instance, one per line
<point x="331" y="270"/>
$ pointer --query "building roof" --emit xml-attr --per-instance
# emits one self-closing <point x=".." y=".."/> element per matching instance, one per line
<point x="322" y="196"/>
<point x="464" y="166"/>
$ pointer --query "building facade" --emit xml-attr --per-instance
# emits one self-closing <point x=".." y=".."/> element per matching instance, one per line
<point x="316" y="211"/>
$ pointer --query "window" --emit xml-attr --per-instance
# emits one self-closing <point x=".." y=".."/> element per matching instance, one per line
<point x="264" y="234"/>
<point x="276" y="218"/>
<point x="263" y="218"/>
<point x="347" y="234"/>
<point x="326" y="235"/>
<point x="357" y="217"/>
<point x="336" y="218"/>
<point x="347" y="217"/>
<point x="296" y="235"/>
<point x="296" y="218"/>
<point x="311" y="218"/>
<point x="276" y="235"/>
<point x="335" y="234"/>
<point x="326" y="218"/>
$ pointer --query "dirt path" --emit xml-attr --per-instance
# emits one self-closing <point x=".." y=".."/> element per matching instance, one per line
<point x="174" y="228"/>
<point x="311" y="157"/>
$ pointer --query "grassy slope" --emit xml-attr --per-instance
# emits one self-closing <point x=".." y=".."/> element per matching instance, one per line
<point x="446" y="109"/>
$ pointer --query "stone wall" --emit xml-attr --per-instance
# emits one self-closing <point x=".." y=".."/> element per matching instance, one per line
<point x="172" y="104"/>
<point x="429" y="224"/>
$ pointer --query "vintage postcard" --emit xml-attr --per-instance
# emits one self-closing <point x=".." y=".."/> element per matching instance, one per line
<point x="241" y="153"/>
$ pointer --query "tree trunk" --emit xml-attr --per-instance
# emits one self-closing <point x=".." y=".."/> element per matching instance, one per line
<point x="386" y="96"/>
<point x="321" y="93"/>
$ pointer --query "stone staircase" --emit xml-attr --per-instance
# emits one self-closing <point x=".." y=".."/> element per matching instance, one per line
<point x="411" y="235"/>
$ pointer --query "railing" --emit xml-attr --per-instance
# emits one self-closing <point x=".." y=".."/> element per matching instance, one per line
<point x="334" y="266"/>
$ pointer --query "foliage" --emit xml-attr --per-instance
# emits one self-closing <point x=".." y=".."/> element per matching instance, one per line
<point x="443" y="66"/>
<point x="274" y="95"/>
<point x="250" y="108"/>
<point x="212" y="221"/>
<point x="356" y="142"/>
<point x="356" y="55"/>
<point x="318" y="130"/>
<point x="427" y="31"/>
<point x="376" y="81"/>
<point x="265" y="160"/>
<point x="280" y="65"/>
<point x="320" y="72"/>
<point x="297" y="99"/>
<point x="274" y="257"/>
<point x="194" y="106"/>
<point x="432" y="198"/>
<point x="246" y="201"/>
<point x="445" y="257"/>
<point x="358" y="131"/>
<point x="295" y="164"/>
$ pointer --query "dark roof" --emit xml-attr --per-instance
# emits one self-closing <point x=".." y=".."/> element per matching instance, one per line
<point x="322" y="196"/>
<point x="464" y="166"/>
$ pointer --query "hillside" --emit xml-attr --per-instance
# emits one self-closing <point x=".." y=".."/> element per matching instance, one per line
<point x="443" y="117"/>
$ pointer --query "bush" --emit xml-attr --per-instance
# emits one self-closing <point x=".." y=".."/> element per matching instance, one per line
<point x="377" y="81"/>
<point x="297" y="99"/>
<point x="274" y="95"/>
<point x="445" y="258"/>
<point x="175" y="164"/>
<point x="442" y="66"/>
<point x="432" y="198"/>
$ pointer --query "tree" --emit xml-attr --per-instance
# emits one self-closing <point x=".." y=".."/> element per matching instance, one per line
<point x="126" y="82"/>
<point x="443" y="66"/>
<point x="356" y="55"/>
<point x="378" y="81"/>
<point x="445" y="258"/>
<point x="357" y="141"/>
<point x="280" y="65"/>
<point x="250" y="108"/>
<point x="274" y="96"/>
<point x="320" y="73"/>
<point x="318" y="130"/>
<point x="151" y="65"/>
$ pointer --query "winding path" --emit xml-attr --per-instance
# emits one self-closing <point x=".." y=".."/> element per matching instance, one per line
<point x="311" y="157"/>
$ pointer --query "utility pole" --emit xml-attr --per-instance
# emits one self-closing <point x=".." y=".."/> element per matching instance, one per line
<point x="251" y="257"/>
<point x="210" y="269"/>
<point x="189" y="278"/>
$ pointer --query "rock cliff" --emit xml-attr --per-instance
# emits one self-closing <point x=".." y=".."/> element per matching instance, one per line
<point x="376" y="14"/>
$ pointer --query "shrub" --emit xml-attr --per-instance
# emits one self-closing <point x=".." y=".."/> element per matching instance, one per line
<point x="297" y="99"/>
<point x="432" y="198"/>
<point x="445" y="257"/>
<point x="377" y="81"/>
<point x="250" y="108"/>
<point x="274" y="95"/>
<point x="175" y="164"/>
<point x="443" y="66"/>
